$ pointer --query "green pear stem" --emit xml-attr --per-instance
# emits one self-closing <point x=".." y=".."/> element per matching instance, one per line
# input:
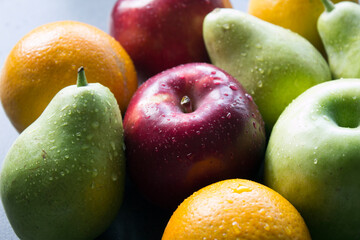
<point x="328" y="4"/>
<point x="186" y="104"/>
<point x="81" y="78"/>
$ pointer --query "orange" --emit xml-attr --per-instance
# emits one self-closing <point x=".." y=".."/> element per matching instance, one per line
<point x="236" y="209"/>
<point x="46" y="60"/>
<point x="300" y="16"/>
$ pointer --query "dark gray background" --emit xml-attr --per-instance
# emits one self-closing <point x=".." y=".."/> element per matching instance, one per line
<point x="18" y="17"/>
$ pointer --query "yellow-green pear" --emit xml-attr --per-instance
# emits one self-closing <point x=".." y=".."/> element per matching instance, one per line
<point x="274" y="64"/>
<point x="339" y="29"/>
<point x="63" y="178"/>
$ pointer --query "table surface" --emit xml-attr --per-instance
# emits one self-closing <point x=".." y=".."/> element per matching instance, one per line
<point x="18" y="17"/>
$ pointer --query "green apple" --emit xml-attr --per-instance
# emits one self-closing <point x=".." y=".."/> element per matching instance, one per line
<point x="313" y="158"/>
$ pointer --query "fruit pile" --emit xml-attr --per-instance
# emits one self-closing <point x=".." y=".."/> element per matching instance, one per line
<point x="226" y="124"/>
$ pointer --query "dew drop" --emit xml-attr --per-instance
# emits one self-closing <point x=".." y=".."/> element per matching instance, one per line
<point x="267" y="227"/>
<point x="242" y="189"/>
<point x="326" y="118"/>
<point x="249" y="96"/>
<point x="113" y="145"/>
<point x="236" y="227"/>
<point x="233" y="87"/>
<point x="226" y="26"/>
<point x="95" y="124"/>
<point x="114" y="177"/>
<point x="315" y="161"/>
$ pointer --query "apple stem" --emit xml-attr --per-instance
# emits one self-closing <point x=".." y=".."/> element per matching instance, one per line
<point x="81" y="78"/>
<point x="186" y="104"/>
<point x="328" y="4"/>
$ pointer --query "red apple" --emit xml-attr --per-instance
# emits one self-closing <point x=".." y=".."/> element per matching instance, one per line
<point x="190" y="126"/>
<point x="159" y="34"/>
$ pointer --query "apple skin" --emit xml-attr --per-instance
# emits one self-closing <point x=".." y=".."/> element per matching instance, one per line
<point x="171" y="153"/>
<point x="313" y="158"/>
<point x="160" y="34"/>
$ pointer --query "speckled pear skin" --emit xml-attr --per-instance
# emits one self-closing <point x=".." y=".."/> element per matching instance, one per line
<point x="274" y="64"/>
<point x="63" y="178"/>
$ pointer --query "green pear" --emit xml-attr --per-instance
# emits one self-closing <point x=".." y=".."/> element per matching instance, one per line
<point x="339" y="29"/>
<point x="274" y="64"/>
<point x="63" y="178"/>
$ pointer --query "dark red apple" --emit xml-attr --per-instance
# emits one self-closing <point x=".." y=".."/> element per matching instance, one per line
<point x="159" y="34"/>
<point x="190" y="126"/>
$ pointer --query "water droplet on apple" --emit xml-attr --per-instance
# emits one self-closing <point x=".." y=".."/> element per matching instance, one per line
<point x="233" y="87"/>
<point x="198" y="132"/>
<point x="326" y="117"/>
<point x="228" y="115"/>
<point x="226" y="26"/>
<point x="249" y="96"/>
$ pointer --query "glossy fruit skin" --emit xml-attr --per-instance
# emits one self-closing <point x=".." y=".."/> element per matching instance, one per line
<point x="236" y="209"/>
<point x="170" y="154"/>
<point x="299" y="16"/>
<point x="160" y="34"/>
<point x="45" y="61"/>
<point x="64" y="176"/>
<point x="273" y="64"/>
<point x="340" y="33"/>
<point x="312" y="158"/>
